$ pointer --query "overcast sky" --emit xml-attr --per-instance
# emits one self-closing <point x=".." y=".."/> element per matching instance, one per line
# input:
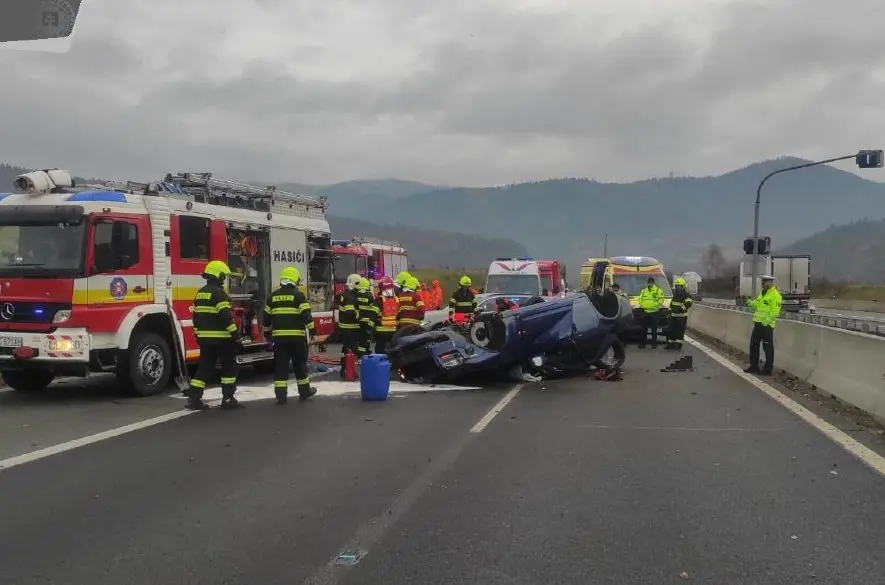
<point x="468" y="92"/>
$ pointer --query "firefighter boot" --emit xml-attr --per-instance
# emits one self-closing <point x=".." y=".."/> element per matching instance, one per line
<point x="230" y="403"/>
<point x="305" y="392"/>
<point x="281" y="394"/>
<point x="195" y="402"/>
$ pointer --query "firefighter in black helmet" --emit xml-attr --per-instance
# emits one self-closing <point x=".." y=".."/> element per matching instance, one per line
<point x="217" y="336"/>
<point x="287" y="323"/>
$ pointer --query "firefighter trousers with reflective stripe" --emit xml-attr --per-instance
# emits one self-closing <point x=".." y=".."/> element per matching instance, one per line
<point x="292" y="351"/>
<point x="676" y="329"/>
<point x="365" y="342"/>
<point x="211" y="352"/>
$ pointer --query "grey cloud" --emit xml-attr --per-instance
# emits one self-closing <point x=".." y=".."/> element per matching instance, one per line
<point x="490" y="95"/>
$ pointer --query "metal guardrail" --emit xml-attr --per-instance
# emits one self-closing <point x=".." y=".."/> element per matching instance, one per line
<point x="835" y="322"/>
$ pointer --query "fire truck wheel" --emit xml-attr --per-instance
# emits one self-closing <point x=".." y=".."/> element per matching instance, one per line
<point x="147" y="365"/>
<point x="28" y="380"/>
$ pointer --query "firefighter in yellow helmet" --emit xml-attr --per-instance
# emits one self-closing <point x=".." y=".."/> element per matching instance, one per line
<point x="288" y="325"/>
<point x="463" y="300"/>
<point x="410" y="312"/>
<point x="217" y="336"/>
<point x="679" y="307"/>
<point x="349" y="317"/>
<point x="368" y="313"/>
<point x="400" y="281"/>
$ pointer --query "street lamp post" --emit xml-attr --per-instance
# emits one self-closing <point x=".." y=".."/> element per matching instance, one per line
<point x="865" y="159"/>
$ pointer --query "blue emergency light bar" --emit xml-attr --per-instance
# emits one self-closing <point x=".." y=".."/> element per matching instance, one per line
<point x="98" y="197"/>
<point x="525" y="258"/>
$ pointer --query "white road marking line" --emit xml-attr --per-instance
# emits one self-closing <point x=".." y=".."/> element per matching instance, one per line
<point x="370" y="533"/>
<point x="245" y="393"/>
<point x="869" y="457"/>
<point x="490" y="415"/>
<point x="83" y="441"/>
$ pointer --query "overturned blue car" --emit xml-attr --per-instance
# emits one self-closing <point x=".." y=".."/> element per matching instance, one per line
<point x="542" y="338"/>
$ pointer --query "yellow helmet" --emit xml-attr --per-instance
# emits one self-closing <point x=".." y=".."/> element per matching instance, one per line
<point x="465" y="281"/>
<point x="402" y="278"/>
<point x="291" y="274"/>
<point x="679" y="281"/>
<point x="216" y="269"/>
<point x="412" y="283"/>
<point x="364" y="284"/>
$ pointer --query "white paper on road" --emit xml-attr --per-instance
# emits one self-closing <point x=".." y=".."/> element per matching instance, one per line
<point x="249" y="393"/>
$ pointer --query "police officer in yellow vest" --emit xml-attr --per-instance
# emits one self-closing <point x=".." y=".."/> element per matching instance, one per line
<point x="217" y="335"/>
<point x="766" y="309"/>
<point x="287" y="324"/>
<point x="651" y="299"/>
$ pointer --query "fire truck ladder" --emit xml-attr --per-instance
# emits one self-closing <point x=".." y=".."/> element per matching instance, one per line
<point x="204" y="188"/>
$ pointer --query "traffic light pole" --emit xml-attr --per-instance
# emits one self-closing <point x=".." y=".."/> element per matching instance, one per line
<point x="755" y="269"/>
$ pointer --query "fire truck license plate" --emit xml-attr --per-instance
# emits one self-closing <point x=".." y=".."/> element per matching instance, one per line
<point x="10" y="341"/>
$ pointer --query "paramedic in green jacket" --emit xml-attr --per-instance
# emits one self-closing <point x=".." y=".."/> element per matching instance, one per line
<point x="651" y="299"/>
<point x="766" y="309"/>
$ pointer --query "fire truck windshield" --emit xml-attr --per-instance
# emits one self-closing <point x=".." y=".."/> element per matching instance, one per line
<point x="516" y="284"/>
<point x="343" y="265"/>
<point x="37" y="249"/>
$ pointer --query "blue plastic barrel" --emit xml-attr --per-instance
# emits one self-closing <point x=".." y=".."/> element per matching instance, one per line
<point x="374" y="377"/>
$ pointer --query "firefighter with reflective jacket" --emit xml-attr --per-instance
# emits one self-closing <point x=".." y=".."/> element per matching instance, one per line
<point x="679" y="307"/>
<point x="463" y="300"/>
<point x="386" y="311"/>
<point x="349" y="318"/>
<point x="287" y="324"/>
<point x="366" y="312"/>
<point x="217" y="337"/>
<point x="411" y="307"/>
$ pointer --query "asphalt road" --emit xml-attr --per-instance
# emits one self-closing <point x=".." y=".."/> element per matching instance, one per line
<point x="694" y="477"/>
<point x="872" y="318"/>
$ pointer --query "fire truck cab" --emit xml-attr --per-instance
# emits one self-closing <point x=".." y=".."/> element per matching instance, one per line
<point x="102" y="278"/>
<point x="553" y="277"/>
<point x="369" y="257"/>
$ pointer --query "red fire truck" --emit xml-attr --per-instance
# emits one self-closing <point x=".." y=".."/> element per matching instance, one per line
<point x="553" y="277"/>
<point x="369" y="257"/>
<point x="100" y="278"/>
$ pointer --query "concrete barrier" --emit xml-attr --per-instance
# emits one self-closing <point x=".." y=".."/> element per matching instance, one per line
<point x="847" y="364"/>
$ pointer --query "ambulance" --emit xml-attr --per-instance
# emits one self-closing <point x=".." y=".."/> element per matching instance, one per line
<point x="518" y="278"/>
<point x="631" y="274"/>
<point x="101" y="278"/>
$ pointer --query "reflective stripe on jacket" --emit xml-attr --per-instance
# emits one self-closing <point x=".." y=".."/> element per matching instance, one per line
<point x="366" y="309"/>
<point x="388" y="309"/>
<point x="462" y="301"/>
<point x="348" y="313"/>
<point x="213" y="319"/>
<point x="680" y="304"/>
<point x="287" y="313"/>
<point x="411" y="309"/>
